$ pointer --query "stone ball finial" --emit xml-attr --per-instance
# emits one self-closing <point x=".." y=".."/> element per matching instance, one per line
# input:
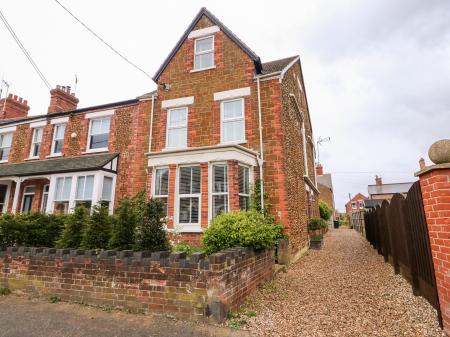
<point x="439" y="152"/>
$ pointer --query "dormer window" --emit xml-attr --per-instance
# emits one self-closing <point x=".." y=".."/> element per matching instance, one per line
<point x="204" y="53"/>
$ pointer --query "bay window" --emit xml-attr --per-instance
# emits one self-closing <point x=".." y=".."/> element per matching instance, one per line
<point x="244" y="188"/>
<point x="98" y="134"/>
<point x="83" y="194"/>
<point x="36" y="142"/>
<point x="44" y="200"/>
<point x="62" y="194"/>
<point x="204" y="53"/>
<point x="5" y="145"/>
<point x="107" y="187"/>
<point x="189" y="195"/>
<point x="232" y="121"/>
<point x="177" y="128"/>
<point x="219" y="189"/>
<point x="58" y="138"/>
<point x="161" y="187"/>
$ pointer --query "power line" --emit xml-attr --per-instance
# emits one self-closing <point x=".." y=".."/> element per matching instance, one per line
<point x="27" y="54"/>
<point x="103" y="41"/>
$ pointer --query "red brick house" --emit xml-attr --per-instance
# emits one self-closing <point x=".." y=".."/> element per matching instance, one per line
<point x="355" y="204"/>
<point x="221" y="118"/>
<point x="53" y="161"/>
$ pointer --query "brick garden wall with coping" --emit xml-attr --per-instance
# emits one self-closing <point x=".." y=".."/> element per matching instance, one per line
<point x="195" y="287"/>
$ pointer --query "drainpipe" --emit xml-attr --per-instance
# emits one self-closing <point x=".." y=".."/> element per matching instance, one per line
<point x="261" y="149"/>
<point x="151" y="124"/>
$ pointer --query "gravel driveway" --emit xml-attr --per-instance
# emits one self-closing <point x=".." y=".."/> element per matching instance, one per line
<point x="345" y="289"/>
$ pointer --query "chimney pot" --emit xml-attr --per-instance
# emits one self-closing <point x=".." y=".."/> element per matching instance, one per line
<point x="10" y="96"/>
<point x="319" y="170"/>
<point x="378" y="180"/>
<point x="422" y="163"/>
<point x="62" y="100"/>
<point x="13" y="106"/>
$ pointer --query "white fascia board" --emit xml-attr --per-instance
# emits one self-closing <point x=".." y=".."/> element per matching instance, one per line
<point x="61" y="120"/>
<point x="203" y="32"/>
<point x="203" y="156"/>
<point x="99" y="114"/>
<point x="283" y="72"/>
<point x="8" y="129"/>
<point x="38" y="124"/>
<point x="230" y="94"/>
<point x="177" y="102"/>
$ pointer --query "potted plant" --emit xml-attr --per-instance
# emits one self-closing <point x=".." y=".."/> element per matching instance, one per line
<point x="316" y="242"/>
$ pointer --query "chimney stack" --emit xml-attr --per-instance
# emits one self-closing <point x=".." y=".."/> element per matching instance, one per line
<point x="378" y="180"/>
<point x="61" y="99"/>
<point x="422" y="163"/>
<point x="13" y="107"/>
<point x="319" y="170"/>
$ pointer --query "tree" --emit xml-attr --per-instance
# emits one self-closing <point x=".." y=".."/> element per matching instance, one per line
<point x="74" y="226"/>
<point x="98" y="230"/>
<point x="150" y="233"/>
<point x="122" y="237"/>
<point x="325" y="210"/>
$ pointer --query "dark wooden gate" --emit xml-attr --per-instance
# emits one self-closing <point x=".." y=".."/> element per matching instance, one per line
<point x="399" y="232"/>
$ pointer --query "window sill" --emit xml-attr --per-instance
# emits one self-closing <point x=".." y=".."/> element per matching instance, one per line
<point x="3" y="161"/>
<point x="174" y="148"/>
<point x="55" y="155"/>
<point x="197" y="70"/>
<point x="95" y="150"/>
<point x="31" y="158"/>
<point x="187" y="228"/>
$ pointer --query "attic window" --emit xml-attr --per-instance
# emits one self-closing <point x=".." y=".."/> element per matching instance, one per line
<point x="204" y="53"/>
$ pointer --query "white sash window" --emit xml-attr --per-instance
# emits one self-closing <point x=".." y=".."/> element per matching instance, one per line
<point x="219" y="189"/>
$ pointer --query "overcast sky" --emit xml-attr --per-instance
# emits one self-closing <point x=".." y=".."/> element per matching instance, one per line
<point x="377" y="73"/>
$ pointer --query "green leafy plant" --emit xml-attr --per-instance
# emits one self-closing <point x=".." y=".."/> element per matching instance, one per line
<point x="54" y="299"/>
<point x="317" y="238"/>
<point x="74" y="226"/>
<point x="10" y="230"/>
<point x="98" y="231"/>
<point x="150" y="233"/>
<point x="186" y="248"/>
<point x="124" y="225"/>
<point x="241" y="228"/>
<point x="325" y="210"/>
<point x="4" y="291"/>
<point x="255" y="199"/>
<point x="316" y="223"/>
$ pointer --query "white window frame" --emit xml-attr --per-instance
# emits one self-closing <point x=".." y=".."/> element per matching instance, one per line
<point x="43" y="207"/>
<point x="249" y="183"/>
<point x="88" y="145"/>
<point x="8" y="191"/>
<point x="33" y="143"/>
<point x="212" y="193"/>
<point x="2" y="134"/>
<point x="223" y="121"/>
<point x="153" y="190"/>
<point x="187" y="227"/>
<point x="84" y="189"/>
<point x="55" y="127"/>
<point x="24" y="194"/>
<point x="354" y="205"/>
<point x="96" y="193"/>
<point x="204" y="52"/>
<point x="169" y="111"/>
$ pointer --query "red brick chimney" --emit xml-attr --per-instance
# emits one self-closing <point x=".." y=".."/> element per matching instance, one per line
<point x="13" y="107"/>
<point x="422" y="163"/>
<point x="61" y="99"/>
<point x="378" y="180"/>
<point x="319" y="170"/>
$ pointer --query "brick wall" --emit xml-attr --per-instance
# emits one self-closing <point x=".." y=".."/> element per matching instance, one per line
<point x="192" y="287"/>
<point x="435" y="186"/>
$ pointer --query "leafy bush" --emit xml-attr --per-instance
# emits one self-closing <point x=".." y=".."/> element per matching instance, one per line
<point x="124" y="225"/>
<point x="186" y="248"/>
<point x="317" y="223"/>
<point x="325" y="210"/>
<point x="10" y="231"/>
<point x="241" y="228"/>
<point x="39" y="230"/>
<point x="74" y="226"/>
<point x="150" y="233"/>
<point x="98" y="230"/>
<point x="255" y="199"/>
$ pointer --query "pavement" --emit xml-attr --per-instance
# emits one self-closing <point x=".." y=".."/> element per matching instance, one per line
<point x="24" y="317"/>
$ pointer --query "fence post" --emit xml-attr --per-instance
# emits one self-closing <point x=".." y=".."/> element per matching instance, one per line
<point x="435" y="187"/>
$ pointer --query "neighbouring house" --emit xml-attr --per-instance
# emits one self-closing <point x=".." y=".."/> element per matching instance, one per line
<point x="223" y="119"/>
<point x="355" y="204"/>
<point x="381" y="191"/>
<point x="52" y="162"/>
<point x="325" y="186"/>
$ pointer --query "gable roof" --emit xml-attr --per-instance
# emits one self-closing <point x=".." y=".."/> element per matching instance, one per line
<point x="359" y="196"/>
<point x="203" y="11"/>
<point x="277" y="65"/>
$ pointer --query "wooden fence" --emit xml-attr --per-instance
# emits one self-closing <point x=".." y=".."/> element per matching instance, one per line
<point x="356" y="221"/>
<point x="398" y="230"/>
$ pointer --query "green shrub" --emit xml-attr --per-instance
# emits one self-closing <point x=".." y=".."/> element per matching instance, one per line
<point x="74" y="226"/>
<point x="325" y="210"/>
<point x="10" y="230"/>
<point x="39" y="230"/>
<point x="241" y="228"/>
<point x="124" y="225"/>
<point x="255" y="199"/>
<point x="316" y="223"/>
<point x="186" y="248"/>
<point x="150" y="233"/>
<point x="98" y="230"/>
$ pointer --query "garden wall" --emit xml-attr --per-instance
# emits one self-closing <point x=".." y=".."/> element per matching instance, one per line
<point x="195" y="287"/>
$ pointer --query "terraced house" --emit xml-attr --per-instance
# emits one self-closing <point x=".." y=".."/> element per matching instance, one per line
<point x="219" y="120"/>
<point x="222" y="119"/>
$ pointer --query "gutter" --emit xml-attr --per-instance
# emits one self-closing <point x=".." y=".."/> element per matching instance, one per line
<point x="260" y="158"/>
<point x="151" y="125"/>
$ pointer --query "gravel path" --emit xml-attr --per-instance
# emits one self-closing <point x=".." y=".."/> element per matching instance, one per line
<point x="345" y="289"/>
